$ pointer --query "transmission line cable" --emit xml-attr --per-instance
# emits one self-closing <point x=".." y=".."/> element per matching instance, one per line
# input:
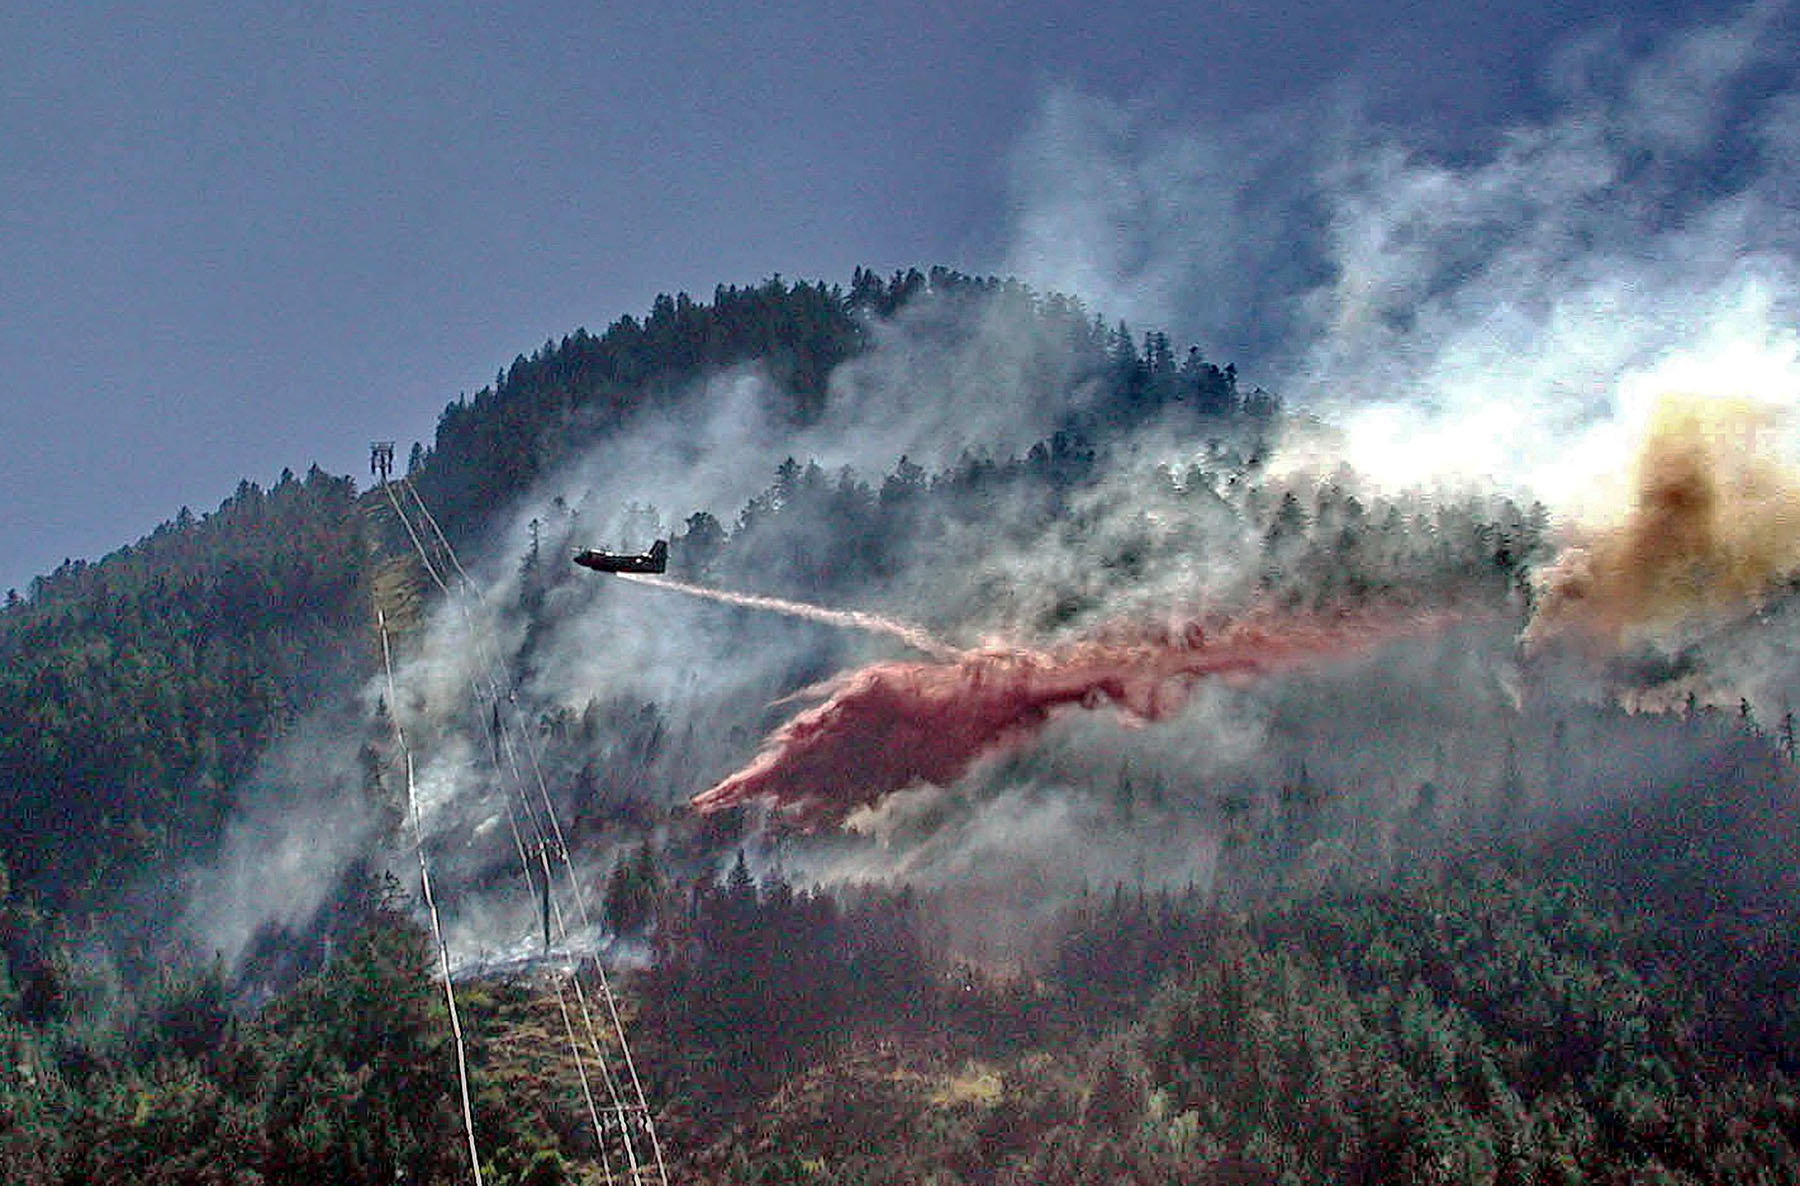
<point x="498" y="742"/>
<point x="437" y="928"/>
<point x="497" y="690"/>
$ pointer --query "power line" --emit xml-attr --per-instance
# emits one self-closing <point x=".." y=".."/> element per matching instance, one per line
<point x="501" y="744"/>
<point x="437" y="929"/>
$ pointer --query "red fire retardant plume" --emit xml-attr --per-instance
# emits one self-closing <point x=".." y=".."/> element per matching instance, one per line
<point x="887" y="726"/>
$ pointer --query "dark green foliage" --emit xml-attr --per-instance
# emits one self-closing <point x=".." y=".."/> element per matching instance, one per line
<point x="1119" y="1091"/>
<point x="185" y="1017"/>
<point x="138" y="690"/>
<point x="632" y="890"/>
<point x="172" y="1123"/>
<point x="1117" y="948"/>
<point x="1478" y="1028"/>
<point x="759" y="980"/>
<point x="543" y="408"/>
<point x="347" y="1079"/>
<point x="358" y="1071"/>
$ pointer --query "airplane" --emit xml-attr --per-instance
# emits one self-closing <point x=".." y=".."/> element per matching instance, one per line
<point x="655" y="560"/>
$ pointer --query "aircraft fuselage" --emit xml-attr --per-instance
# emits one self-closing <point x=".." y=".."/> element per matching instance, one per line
<point x="655" y="560"/>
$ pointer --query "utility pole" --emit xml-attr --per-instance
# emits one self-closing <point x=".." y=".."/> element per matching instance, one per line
<point x="546" y="907"/>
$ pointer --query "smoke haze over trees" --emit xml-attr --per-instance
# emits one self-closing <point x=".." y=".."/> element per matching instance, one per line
<point x="1503" y="892"/>
<point x="1036" y="948"/>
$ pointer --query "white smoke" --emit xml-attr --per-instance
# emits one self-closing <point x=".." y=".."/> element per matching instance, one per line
<point x="1497" y="319"/>
<point x="305" y="823"/>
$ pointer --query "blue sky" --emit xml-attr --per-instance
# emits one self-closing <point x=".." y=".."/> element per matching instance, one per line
<point x="237" y="238"/>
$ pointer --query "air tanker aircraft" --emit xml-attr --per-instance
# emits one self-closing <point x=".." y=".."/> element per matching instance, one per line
<point x="655" y="560"/>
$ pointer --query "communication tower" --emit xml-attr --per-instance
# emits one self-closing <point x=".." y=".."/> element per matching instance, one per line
<point x="381" y="460"/>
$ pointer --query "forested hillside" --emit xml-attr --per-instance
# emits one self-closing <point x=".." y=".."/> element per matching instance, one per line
<point x="139" y="687"/>
<point x="138" y="690"/>
<point x="1423" y="906"/>
<point x="551" y="405"/>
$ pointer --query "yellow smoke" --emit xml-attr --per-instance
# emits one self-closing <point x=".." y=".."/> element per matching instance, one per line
<point x="1712" y="525"/>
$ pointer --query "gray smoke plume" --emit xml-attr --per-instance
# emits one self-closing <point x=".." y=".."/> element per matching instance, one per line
<point x="1505" y="317"/>
<point x="305" y="822"/>
<point x="1458" y="337"/>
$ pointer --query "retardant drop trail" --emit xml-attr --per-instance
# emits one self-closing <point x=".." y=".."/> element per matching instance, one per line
<point x="913" y="636"/>
<point x="890" y="725"/>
